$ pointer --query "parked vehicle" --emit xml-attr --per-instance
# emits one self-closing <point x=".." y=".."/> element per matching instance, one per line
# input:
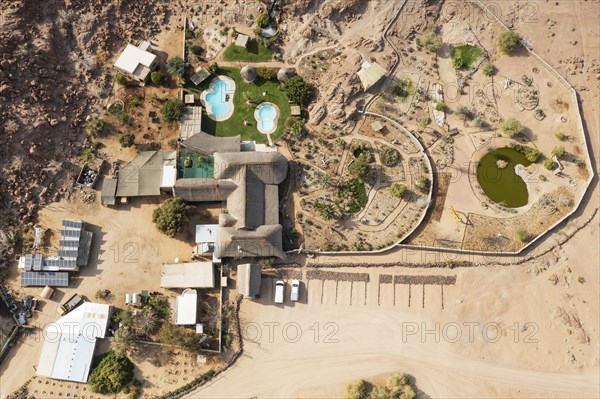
<point x="279" y="291"/>
<point x="295" y="294"/>
<point x="70" y="304"/>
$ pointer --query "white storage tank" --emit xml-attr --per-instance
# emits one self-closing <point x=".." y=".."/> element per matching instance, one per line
<point x="136" y="298"/>
<point x="127" y="299"/>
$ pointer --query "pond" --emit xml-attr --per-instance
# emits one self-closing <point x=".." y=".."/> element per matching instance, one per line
<point x="503" y="185"/>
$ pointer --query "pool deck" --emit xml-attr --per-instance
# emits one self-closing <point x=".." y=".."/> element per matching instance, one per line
<point x="257" y="117"/>
<point x="208" y="105"/>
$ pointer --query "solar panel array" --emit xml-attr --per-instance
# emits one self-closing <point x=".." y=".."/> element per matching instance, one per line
<point x="77" y="224"/>
<point x="70" y="233"/>
<point x="60" y="263"/>
<point x="40" y="279"/>
<point x="68" y="243"/>
<point x="66" y="253"/>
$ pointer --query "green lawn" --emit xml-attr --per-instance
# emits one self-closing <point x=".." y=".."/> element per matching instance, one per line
<point x="253" y="53"/>
<point x="464" y="56"/>
<point x="242" y="111"/>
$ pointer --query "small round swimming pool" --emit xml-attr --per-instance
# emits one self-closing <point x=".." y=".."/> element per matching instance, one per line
<point x="218" y="99"/>
<point x="266" y="115"/>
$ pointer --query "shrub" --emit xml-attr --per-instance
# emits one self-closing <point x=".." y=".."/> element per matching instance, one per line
<point x="263" y="20"/>
<point x="511" y="127"/>
<point x="354" y="194"/>
<point x="479" y="122"/>
<point x="543" y="178"/>
<point x="440" y="106"/>
<point x="465" y="111"/>
<point x="389" y="156"/>
<point x="115" y="108"/>
<point x="559" y="151"/>
<point x="213" y="68"/>
<point x="397" y="386"/>
<point x="359" y="389"/>
<point x="195" y="49"/>
<point x="424" y="121"/>
<point x="171" y="217"/>
<point x="489" y="69"/>
<point x="297" y="90"/>
<point x="507" y="41"/>
<point x="88" y="155"/>
<point x="266" y="73"/>
<point x="522" y="235"/>
<point x="175" y="335"/>
<point x="532" y="154"/>
<point x="157" y="77"/>
<point x="112" y="374"/>
<point x="550" y="164"/>
<point x="266" y="263"/>
<point x="160" y="306"/>
<point x="430" y="41"/>
<point x="94" y="126"/>
<point x="359" y="168"/>
<point x="172" y="110"/>
<point x="127" y="140"/>
<point x="561" y="136"/>
<point x="325" y="210"/>
<point x="176" y="66"/>
<point x="422" y="183"/>
<point x="398" y="190"/>
<point x="121" y="79"/>
<point x="124" y="118"/>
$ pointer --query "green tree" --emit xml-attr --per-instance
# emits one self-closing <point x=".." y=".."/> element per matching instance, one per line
<point x="359" y="389"/>
<point x="123" y="340"/>
<point x="489" y="69"/>
<point x="127" y="140"/>
<point x="195" y="49"/>
<point x="422" y="183"/>
<point x="112" y="374"/>
<point x="266" y="73"/>
<point x="94" y="127"/>
<point x="160" y="306"/>
<point x="397" y="386"/>
<point x="398" y="190"/>
<point x="359" y="168"/>
<point x="145" y="322"/>
<point x="172" y="110"/>
<point x="263" y="20"/>
<point x="389" y="156"/>
<point x="559" y="151"/>
<point x="297" y="90"/>
<point x="171" y="217"/>
<point x="157" y="77"/>
<point x="550" y="164"/>
<point x="430" y="41"/>
<point x="176" y="66"/>
<point x="507" y="41"/>
<point x="213" y="68"/>
<point x="121" y="79"/>
<point x="511" y="127"/>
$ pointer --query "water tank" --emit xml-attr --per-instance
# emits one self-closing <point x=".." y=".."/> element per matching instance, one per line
<point x="136" y="298"/>
<point x="127" y="299"/>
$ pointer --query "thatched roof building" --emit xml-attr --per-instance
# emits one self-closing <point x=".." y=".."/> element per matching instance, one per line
<point x="284" y="74"/>
<point x="248" y="73"/>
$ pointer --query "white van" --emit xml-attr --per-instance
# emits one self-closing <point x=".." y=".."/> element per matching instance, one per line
<point x="295" y="294"/>
<point x="279" y="291"/>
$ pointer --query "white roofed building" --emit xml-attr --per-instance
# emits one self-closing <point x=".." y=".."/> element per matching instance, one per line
<point x="137" y="61"/>
<point x="71" y="340"/>
<point x="186" y="308"/>
<point x="190" y="274"/>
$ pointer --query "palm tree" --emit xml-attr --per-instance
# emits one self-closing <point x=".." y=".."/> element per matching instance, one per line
<point x="145" y="322"/>
<point x="122" y="341"/>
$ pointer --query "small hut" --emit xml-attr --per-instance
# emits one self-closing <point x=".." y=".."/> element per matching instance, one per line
<point x="248" y="73"/>
<point x="284" y="74"/>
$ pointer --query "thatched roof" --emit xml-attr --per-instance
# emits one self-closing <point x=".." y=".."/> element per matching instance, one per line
<point x="269" y="167"/>
<point x="284" y="74"/>
<point x="143" y="175"/>
<point x="248" y="73"/>
<point x="207" y="144"/>
<point x="265" y="241"/>
<point x="203" y="190"/>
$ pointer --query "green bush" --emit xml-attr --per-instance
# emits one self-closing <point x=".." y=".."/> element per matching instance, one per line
<point x="112" y="374"/>
<point x="440" y="106"/>
<point x="507" y="41"/>
<point x="489" y="69"/>
<point x="195" y="49"/>
<point x="88" y="155"/>
<point x="389" y="156"/>
<point x="398" y="190"/>
<point x="397" y="386"/>
<point x="157" y="77"/>
<point x="175" y="335"/>
<point x="172" y="110"/>
<point x="354" y="195"/>
<point x="561" y="136"/>
<point x="171" y="217"/>
<point x="266" y="263"/>
<point x="359" y="389"/>
<point x="359" y="168"/>
<point x="532" y="154"/>
<point x="550" y="164"/>
<point x="121" y="79"/>
<point x="176" y="66"/>
<point x="522" y="235"/>
<point x="325" y="210"/>
<point x="263" y="20"/>
<point x="127" y="140"/>
<point x="511" y="127"/>
<point x="266" y="73"/>
<point x="422" y="183"/>
<point x="94" y="126"/>
<point x="430" y="41"/>
<point x="559" y="151"/>
<point x="160" y="306"/>
<point x="297" y="90"/>
<point x="213" y="68"/>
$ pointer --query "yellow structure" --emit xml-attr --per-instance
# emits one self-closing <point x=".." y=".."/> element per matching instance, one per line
<point x="455" y="214"/>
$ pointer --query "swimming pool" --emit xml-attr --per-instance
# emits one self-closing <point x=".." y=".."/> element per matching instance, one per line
<point x="266" y="115"/>
<point x="218" y="99"/>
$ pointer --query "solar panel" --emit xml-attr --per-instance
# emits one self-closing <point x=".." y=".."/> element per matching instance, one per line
<point x="63" y="263"/>
<point x="68" y="243"/>
<point x="40" y="279"/>
<point x="78" y="224"/>
<point x="64" y="253"/>
<point x="70" y="233"/>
